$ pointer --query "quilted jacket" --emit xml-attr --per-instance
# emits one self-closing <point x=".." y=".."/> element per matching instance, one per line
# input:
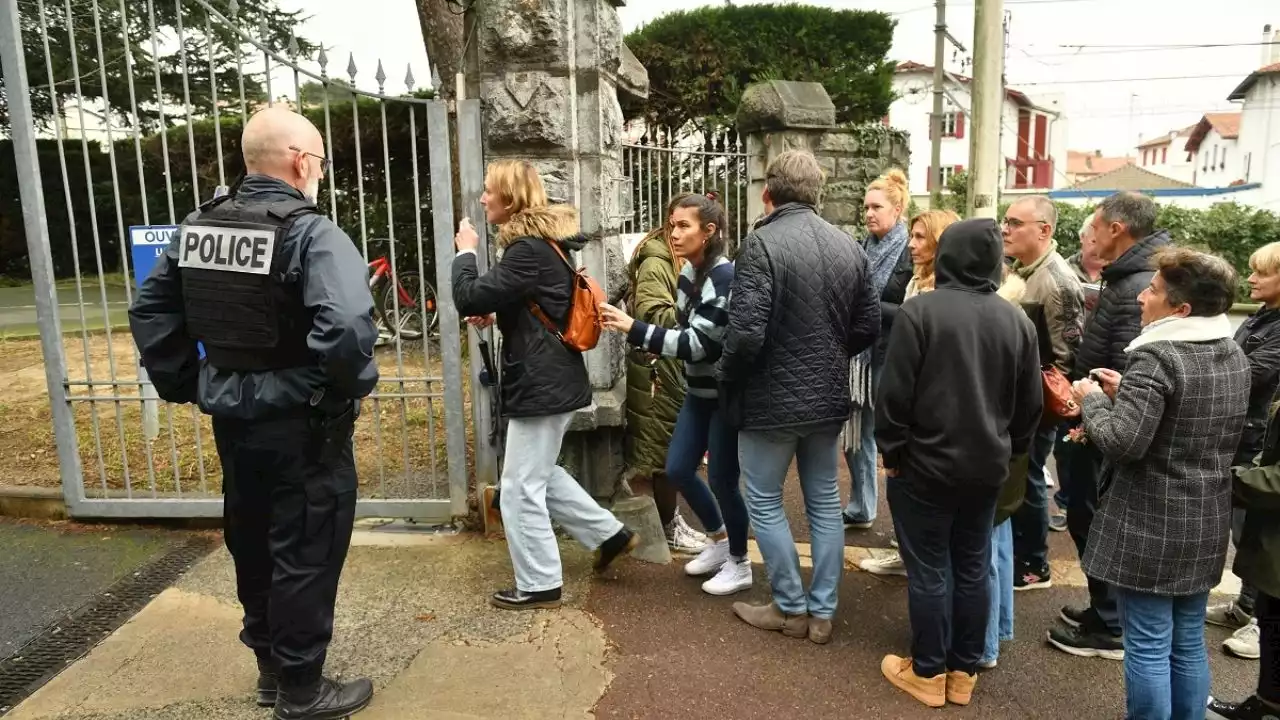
<point x="1259" y="337"/>
<point x="802" y="305"/>
<point x="1117" y="318"/>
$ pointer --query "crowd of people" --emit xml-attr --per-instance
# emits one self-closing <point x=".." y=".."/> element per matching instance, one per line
<point x="956" y="356"/>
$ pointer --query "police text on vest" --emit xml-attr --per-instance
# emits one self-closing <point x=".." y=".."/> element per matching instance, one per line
<point x="227" y="249"/>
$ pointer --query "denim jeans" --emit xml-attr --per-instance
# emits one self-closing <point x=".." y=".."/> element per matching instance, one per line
<point x="1086" y="471"/>
<point x="1166" y="667"/>
<point x="765" y="457"/>
<point x="1000" y="619"/>
<point x="944" y="533"/>
<point x="1031" y="521"/>
<point x="535" y="490"/>
<point x="699" y="428"/>
<point x="862" y="464"/>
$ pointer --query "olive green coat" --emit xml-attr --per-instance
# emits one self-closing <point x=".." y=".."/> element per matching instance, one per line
<point x="652" y="418"/>
<point x="1257" y="490"/>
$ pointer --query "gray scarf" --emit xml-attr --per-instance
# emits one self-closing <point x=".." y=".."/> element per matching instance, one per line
<point x="882" y="256"/>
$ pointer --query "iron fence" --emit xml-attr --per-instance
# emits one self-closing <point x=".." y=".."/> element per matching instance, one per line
<point x="665" y="164"/>
<point x="188" y="81"/>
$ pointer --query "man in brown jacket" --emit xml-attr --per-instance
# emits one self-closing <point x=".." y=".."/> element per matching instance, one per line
<point x="1054" y="300"/>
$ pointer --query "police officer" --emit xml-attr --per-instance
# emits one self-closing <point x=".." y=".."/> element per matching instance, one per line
<point x="277" y="296"/>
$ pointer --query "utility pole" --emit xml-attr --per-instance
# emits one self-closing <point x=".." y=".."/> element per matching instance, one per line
<point x="1002" y="164"/>
<point x="984" y="147"/>
<point x="935" y="117"/>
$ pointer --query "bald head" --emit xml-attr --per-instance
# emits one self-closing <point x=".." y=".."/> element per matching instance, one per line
<point x="267" y="141"/>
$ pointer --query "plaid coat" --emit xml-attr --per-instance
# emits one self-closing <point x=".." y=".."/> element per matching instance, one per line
<point x="1165" y="515"/>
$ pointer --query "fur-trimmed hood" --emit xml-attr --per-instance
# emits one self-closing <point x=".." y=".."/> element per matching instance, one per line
<point x="549" y="222"/>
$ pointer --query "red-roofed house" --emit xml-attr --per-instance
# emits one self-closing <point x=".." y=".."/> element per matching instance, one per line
<point x="1082" y="166"/>
<point x="1212" y="146"/>
<point x="1033" y="140"/>
<point x="1259" y="129"/>
<point x="1166" y="154"/>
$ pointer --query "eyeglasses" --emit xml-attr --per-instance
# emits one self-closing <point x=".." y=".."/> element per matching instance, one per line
<point x="325" y="164"/>
<point x="1015" y="223"/>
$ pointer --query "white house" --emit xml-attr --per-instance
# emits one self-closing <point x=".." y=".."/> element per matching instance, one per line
<point x="1033" y="134"/>
<point x="1259" y="141"/>
<point x="1166" y="155"/>
<point x="1213" y="150"/>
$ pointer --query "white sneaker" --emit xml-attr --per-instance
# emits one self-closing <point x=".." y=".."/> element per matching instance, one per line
<point x="1048" y="477"/>
<point x="1227" y="616"/>
<point x="1244" y="642"/>
<point x="734" y="576"/>
<point x="683" y="539"/>
<point x="710" y="559"/>
<point x="887" y="565"/>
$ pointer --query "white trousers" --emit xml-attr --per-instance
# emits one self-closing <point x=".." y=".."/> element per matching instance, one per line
<point x="535" y="490"/>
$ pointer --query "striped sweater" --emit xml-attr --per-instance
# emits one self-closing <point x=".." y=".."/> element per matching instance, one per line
<point x="703" y="317"/>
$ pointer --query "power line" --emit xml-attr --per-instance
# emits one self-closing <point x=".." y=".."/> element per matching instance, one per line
<point x="1080" y="51"/>
<point x="1129" y="80"/>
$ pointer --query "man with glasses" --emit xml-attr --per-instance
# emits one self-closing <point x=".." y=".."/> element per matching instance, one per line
<point x="1054" y="301"/>
<point x="278" y="296"/>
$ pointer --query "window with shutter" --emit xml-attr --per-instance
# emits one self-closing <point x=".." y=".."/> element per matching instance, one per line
<point x="960" y="125"/>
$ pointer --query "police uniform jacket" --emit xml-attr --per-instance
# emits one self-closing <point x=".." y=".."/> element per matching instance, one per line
<point x="317" y="266"/>
<point x="540" y="374"/>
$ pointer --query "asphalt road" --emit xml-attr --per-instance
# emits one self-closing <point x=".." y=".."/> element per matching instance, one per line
<point x="18" y="310"/>
<point x="48" y="570"/>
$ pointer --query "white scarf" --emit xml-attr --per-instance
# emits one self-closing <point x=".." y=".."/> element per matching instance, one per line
<point x="1183" y="329"/>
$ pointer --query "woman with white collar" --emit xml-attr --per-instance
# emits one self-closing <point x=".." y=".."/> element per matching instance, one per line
<point x="1168" y="430"/>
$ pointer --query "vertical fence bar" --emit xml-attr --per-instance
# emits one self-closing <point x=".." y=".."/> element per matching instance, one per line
<point x="164" y="121"/>
<point x="36" y="227"/>
<point x="471" y="176"/>
<point x="427" y="320"/>
<point x="265" y="34"/>
<point x="394" y="288"/>
<point x="97" y="246"/>
<point x="450" y="340"/>
<point x="233" y="9"/>
<point x="213" y="90"/>
<point x="323" y="60"/>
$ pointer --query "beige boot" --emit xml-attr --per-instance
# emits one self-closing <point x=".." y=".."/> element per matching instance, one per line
<point x="770" y="617"/>
<point x="819" y="630"/>
<point x="960" y="687"/>
<point x="930" y="691"/>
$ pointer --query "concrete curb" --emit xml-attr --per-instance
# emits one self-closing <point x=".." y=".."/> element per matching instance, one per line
<point x="37" y="503"/>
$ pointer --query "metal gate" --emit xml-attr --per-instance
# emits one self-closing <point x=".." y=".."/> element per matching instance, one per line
<point x="149" y="111"/>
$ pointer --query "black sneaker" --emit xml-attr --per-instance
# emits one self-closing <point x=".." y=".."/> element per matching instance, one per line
<point x="622" y="542"/>
<point x="852" y="523"/>
<point x="324" y="700"/>
<point x="1058" y="523"/>
<point x="1078" y="616"/>
<point x="1029" y="578"/>
<point x="1250" y="709"/>
<point x="1085" y="642"/>
<point x="514" y="599"/>
<point x="268" y="685"/>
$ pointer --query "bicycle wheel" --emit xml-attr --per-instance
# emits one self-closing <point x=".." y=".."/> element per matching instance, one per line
<point x="402" y="306"/>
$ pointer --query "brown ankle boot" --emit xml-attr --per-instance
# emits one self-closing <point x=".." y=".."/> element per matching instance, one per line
<point x="819" y="630"/>
<point x="771" y="617"/>
<point x="960" y="687"/>
<point x="930" y="691"/>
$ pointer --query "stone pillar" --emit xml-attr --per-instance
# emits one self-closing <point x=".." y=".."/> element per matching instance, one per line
<point x="780" y="115"/>
<point x="549" y="72"/>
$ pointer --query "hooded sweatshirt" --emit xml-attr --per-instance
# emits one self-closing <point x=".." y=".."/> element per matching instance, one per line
<point x="961" y="390"/>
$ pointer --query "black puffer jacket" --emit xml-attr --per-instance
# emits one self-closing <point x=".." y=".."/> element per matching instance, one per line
<point x="1117" y="318"/>
<point x="1259" y="337"/>
<point x="802" y="305"/>
<point x="540" y="375"/>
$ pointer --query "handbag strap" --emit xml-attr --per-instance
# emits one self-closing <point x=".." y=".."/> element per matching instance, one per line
<point x="533" y="303"/>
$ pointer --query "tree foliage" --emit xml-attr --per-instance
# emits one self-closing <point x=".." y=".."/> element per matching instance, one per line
<point x="700" y="61"/>
<point x="210" y="48"/>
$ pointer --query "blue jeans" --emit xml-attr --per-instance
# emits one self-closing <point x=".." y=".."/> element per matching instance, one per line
<point x="862" y="465"/>
<point x="699" y="429"/>
<point x="765" y="457"/>
<point x="1000" y="620"/>
<point x="1031" y="521"/>
<point x="1166" y="667"/>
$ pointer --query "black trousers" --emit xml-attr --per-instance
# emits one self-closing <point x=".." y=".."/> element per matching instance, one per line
<point x="944" y="531"/>
<point x="1086" y="472"/>
<point x="1268" y="614"/>
<point x="290" y="500"/>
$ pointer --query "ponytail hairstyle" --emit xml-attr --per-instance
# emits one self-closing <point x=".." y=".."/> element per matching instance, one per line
<point x="710" y="212"/>
<point x="894" y="186"/>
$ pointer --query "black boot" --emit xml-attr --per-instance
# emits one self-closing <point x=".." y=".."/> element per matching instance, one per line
<point x="268" y="683"/>
<point x="1251" y="709"/>
<point x="514" y="599"/>
<point x="623" y="541"/>
<point x="323" y="700"/>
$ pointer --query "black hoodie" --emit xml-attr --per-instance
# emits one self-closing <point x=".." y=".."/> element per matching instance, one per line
<point x="961" y="390"/>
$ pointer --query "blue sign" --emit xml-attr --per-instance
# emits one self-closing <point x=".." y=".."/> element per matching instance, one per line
<point x="148" y="243"/>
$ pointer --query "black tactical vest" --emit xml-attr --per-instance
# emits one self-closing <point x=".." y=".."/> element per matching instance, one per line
<point x="237" y="297"/>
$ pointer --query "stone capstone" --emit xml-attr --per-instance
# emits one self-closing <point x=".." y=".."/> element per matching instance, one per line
<point x="785" y="105"/>
<point x="633" y="78"/>
<point x="520" y="32"/>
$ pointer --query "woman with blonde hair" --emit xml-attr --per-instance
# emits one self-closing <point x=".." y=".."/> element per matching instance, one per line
<point x="889" y="260"/>
<point x="543" y="380"/>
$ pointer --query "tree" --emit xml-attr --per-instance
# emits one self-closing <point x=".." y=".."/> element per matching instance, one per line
<point x="125" y="44"/>
<point x="313" y="93"/>
<point x="443" y="31"/>
<point x="700" y="61"/>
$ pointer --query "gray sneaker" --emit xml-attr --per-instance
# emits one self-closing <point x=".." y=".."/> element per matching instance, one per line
<point x="683" y="539"/>
<point x="1227" y="616"/>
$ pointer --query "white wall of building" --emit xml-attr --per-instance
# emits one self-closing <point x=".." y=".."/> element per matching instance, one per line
<point x="1169" y="159"/>
<point x="1259" y="144"/>
<point x="1218" y="162"/>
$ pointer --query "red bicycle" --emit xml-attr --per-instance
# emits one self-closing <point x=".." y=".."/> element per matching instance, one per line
<point x="404" y="304"/>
